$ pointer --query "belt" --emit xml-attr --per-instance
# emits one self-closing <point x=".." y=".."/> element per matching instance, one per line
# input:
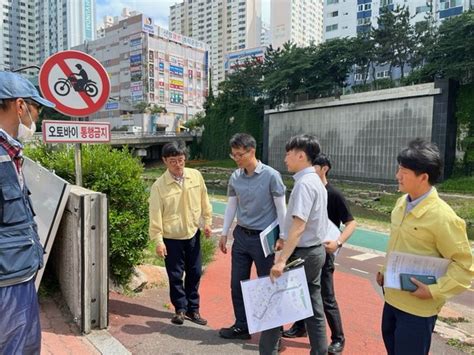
<point x="249" y="231"/>
<point x="310" y="247"/>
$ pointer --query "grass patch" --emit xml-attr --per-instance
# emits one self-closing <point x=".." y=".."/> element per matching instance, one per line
<point x="463" y="185"/>
<point x="460" y="345"/>
<point x="208" y="248"/>
<point x="453" y="320"/>
<point x="224" y="163"/>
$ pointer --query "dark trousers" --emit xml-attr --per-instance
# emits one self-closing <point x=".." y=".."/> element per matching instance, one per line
<point x="331" y="309"/>
<point x="20" y="330"/>
<point x="406" y="334"/>
<point x="315" y="325"/>
<point x="246" y="250"/>
<point x="184" y="256"/>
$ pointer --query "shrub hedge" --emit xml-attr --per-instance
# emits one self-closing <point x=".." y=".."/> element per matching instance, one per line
<point x="118" y="174"/>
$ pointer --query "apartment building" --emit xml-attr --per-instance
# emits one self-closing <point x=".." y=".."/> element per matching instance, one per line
<point x="225" y="25"/>
<point x="297" y="21"/>
<point x="147" y="63"/>
<point x="33" y="30"/>
<point x="348" y="18"/>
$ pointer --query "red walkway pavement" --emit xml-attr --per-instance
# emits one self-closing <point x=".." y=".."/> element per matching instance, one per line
<point x="361" y="309"/>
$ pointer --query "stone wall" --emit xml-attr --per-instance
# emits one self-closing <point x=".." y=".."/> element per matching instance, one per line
<point x="362" y="133"/>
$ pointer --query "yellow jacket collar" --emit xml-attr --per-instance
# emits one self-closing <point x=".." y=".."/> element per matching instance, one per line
<point x="424" y="205"/>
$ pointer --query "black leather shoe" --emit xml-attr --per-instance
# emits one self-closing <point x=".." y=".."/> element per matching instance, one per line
<point x="178" y="318"/>
<point x="195" y="317"/>
<point x="294" y="332"/>
<point x="336" y="347"/>
<point x="234" y="333"/>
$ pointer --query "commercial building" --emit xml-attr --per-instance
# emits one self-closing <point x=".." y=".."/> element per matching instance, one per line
<point x="149" y="64"/>
<point x="33" y="30"/>
<point x="297" y="21"/>
<point x="225" y="25"/>
<point x="109" y="21"/>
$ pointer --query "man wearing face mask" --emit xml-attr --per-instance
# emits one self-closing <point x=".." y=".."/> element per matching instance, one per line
<point x="21" y="253"/>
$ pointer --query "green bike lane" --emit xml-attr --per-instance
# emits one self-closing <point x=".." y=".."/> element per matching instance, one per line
<point x="361" y="237"/>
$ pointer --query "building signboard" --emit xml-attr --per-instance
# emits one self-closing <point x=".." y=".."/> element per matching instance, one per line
<point x="147" y="25"/>
<point x="175" y="70"/>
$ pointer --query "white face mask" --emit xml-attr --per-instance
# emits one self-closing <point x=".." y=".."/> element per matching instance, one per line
<point x="25" y="132"/>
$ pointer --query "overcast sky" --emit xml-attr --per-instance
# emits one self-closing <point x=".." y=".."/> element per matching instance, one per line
<point x="157" y="9"/>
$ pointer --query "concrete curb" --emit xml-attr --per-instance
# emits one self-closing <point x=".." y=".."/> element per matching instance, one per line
<point x="106" y="343"/>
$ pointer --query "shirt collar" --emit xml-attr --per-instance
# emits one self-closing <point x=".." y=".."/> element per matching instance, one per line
<point x="11" y="145"/>
<point x="258" y="168"/>
<point x="411" y="204"/>
<point x="11" y="141"/>
<point x="308" y="170"/>
<point x="170" y="178"/>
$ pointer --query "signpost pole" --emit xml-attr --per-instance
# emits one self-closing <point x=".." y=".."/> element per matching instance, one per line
<point x="78" y="163"/>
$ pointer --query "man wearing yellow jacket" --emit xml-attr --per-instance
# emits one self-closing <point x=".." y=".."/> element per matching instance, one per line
<point x="178" y="202"/>
<point x="423" y="224"/>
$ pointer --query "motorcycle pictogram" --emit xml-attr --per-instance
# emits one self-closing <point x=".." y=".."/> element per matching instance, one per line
<point x="63" y="86"/>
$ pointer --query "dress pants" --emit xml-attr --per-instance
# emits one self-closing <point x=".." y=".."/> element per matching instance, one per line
<point x="331" y="308"/>
<point x="184" y="256"/>
<point x="314" y="258"/>
<point x="246" y="250"/>
<point x="406" y="334"/>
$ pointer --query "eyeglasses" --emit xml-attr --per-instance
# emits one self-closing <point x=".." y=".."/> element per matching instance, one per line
<point x="238" y="156"/>
<point x="36" y="105"/>
<point x="175" y="161"/>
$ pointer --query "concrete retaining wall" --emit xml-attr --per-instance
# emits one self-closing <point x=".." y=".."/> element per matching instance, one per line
<point x="362" y="133"/>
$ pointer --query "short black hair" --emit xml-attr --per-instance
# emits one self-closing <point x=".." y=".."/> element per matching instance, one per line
<point x="174" y="149"/>
<point x="306" y="143"/>
<point x="323" y="160"/>
<point x="242" y="140"/>
<point x="422" y="157"/>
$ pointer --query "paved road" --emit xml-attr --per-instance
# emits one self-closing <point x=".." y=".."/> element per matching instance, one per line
<point x="367" y="263"/>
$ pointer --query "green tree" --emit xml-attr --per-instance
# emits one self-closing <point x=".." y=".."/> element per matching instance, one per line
<point x="331" y="62"/>
<point x="285" y="73"/>
<point x="393" y="38"/>
<point x="424" y="39"/>
<point x="147" y="107"/>
<point x="362" y="51"/>
<point x="453" y="53"/>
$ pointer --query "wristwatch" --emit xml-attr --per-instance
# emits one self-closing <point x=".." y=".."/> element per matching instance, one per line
<point x="339" y="244"/>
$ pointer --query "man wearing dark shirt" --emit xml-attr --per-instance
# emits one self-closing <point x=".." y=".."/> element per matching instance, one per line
<point x="338" y="212"/>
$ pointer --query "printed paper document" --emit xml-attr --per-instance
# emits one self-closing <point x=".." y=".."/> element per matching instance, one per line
<point x="269" y="305"/>
<point x="403" y="263"/>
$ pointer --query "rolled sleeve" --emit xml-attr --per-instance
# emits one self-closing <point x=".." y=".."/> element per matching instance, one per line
<point x="155" y="229"/>
<point x="277" y="186"/>
<point x="303" y="201"/>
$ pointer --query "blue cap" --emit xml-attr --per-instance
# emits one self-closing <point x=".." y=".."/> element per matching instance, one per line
<point x="15" y="86"/>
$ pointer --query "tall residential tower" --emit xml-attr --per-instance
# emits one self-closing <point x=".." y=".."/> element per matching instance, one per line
<point x="32" y="30"/>
<point x="348" y="18"/>
<point x="225" y="25"/>
<point x="297" y="21"/>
